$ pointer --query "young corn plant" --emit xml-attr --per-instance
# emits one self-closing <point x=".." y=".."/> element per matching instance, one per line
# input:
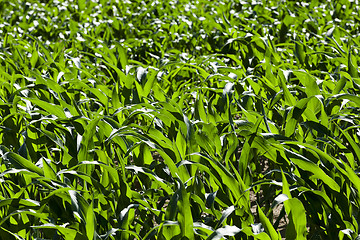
<point x="179" y="120"/>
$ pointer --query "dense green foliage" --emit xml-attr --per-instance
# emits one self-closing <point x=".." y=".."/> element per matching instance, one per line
<point x="179" y="119"/>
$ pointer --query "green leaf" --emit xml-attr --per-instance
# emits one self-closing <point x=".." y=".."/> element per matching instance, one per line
<point x="318" y="127"/>
<point x="81" y="5"/>
<point x="12" y="234"/>
<point x="91" y="222"/>
<point x="79" y="205"/>
<point x="87" y="140"/>
<point x="124" y="218"/>
<point x="67" y="232"/>
<point x="352" y="65"/>
<point x="23" y="163"/>
<point x="51" y="108"/>
<point x="19" y="202"/>
<point x="26" y="212"/>
<point x="224" y="215"/>
<point x="285" y="186"/>
<point x="353" y="144"/>
<point x="122" y="57"/>
<point x="152" y="175"/>
<point x="288" y="97"/>
<point x="307" y="165"/>
<point x="267" y="224"/>
<point x="48" y="170"/>
<point x="311" y="86"/>
<point x="300" y="52"/>
<point x="34" y="58"/>
<point x="296" y="228"/>
<point x="351" y="97"/>
<point x="345" y="169"/>
<point x="185" y="218"/>
<point x="340" y="85"/>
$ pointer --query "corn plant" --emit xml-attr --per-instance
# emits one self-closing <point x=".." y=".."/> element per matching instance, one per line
<point x="179" y="119"/>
